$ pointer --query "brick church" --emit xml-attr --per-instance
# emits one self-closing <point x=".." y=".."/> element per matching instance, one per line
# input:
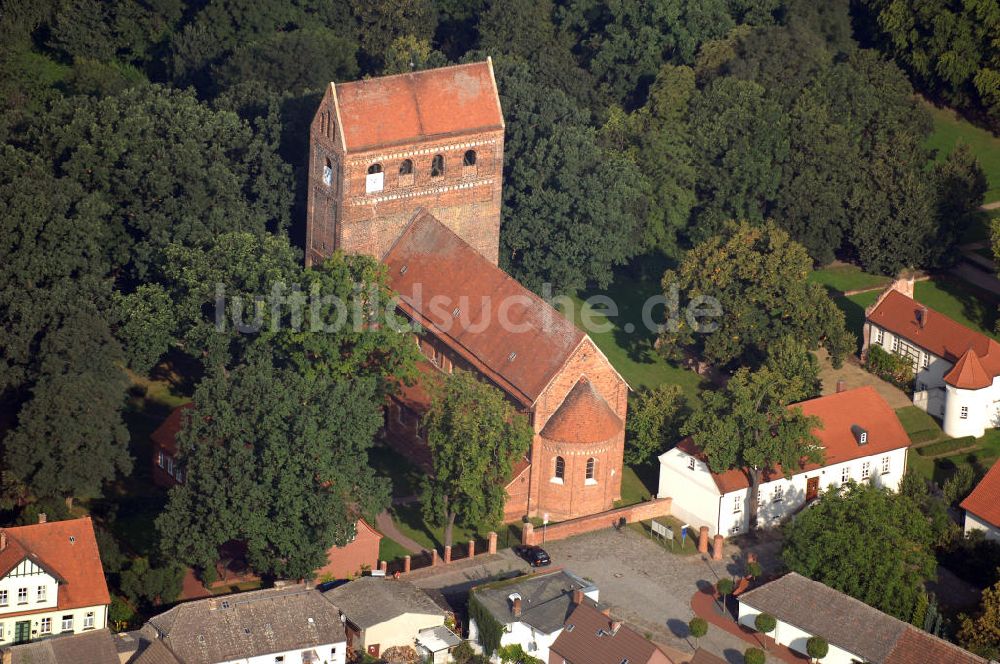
<point x="408" y="169"/>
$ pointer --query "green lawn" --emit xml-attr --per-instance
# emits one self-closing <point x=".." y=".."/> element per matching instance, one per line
<point x="845" y="277"/>
<point x="690" y="545"/>
<point x="389" y="549"/>
<point x="410" y="521"/>
<point x="980" y="459"/>
<point x="638" y="484"/>
<point x="957" y="299"/>
<point x="920" y="427"/>
<point x="626" y="339"/>
<point x="949" y="129"/>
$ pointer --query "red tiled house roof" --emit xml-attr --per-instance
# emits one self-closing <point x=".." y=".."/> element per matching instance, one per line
<point x="165" y="435"/>
<point x="65" y="549"/>
<point x="838" y="412"/>
<point x="941" y="336"/>
<point x="593" y="639"/>
<point x="397" y="110"/>
<point x="435" y="272"/>
<point x="583" y="417"/>
<point x="984" y="501"/>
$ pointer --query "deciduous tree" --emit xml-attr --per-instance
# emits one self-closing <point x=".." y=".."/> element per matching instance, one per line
<point x="654" y="422"/>
<point x="981" y="634"/>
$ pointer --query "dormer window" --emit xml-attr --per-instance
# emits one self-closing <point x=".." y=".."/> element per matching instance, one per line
<point x="328" y="173"/>
<point x="860" y="434"/>
<point x="375" y="179"/>
<point x="437" y="166"/>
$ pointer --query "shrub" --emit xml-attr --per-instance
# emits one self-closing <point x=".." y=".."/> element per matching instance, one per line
<point x="121" y="615"/>
<point x="959" y="485"/>
<point x="765" y="622"/>
<point x="946" y="447"/>
<point x="463" y="653"/>
<point x="698" y="627"/>
<point x="817" y="647"/>
<point x="754" y="570"/>
<point x="754" y="656"/>
<point x="890" y="367"/>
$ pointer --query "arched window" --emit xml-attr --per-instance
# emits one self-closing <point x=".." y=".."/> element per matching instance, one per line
<point x="375" y="179"/>
<point x="406" y="168"/>
<point x="328" y="173"/>
<point x="470" y="158"/>
<point x="560" y="468"/>
<point x="591" y="463"/>
<point x="437" y="166"/>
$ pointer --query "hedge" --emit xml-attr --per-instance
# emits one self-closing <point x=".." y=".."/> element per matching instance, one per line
<point x="947" y="446"/>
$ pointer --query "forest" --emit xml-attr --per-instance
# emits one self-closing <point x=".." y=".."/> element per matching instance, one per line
<point x="155" y="148"/>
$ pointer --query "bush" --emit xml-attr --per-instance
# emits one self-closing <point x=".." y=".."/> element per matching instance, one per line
<point x="817" y="647"/>
<point x="754" y="656"/>
<point x="698" y="627"/>
<point x="765" y="622"/>
<point x="150" y="586"/>
<point x="121" y="615"/>
<point x="946" y="447"/>
<point x="724" y="586"/>
<point x="890" y="367"/>
<point x="959" y="485"/>
<point x="463" y="653"/>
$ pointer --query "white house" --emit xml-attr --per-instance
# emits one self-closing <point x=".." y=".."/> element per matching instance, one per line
<point x="51" y="581"/>
<point x="863" y="441"/>
<point x="531" y="609"/>
<point x="982" y="506"/>
<point x="956" y="369"/>
<point x="292" y="625"/>
<point x="855" y="632"/>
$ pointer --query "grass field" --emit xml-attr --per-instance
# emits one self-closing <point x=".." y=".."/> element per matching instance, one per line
<point x="689" y="546"/>
<point x="410" y="521"/>
<point x="626" y="339"/>
<point x="949" y="130"/>
<point x="845" y="277"/>
<point x="638" y="484"/>
<point x="980" y="459"/>
<point x="389" y="549"/>
<point x="920" y="427"/>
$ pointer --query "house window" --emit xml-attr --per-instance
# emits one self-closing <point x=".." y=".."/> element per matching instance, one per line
<point x="778" y="495"/>
<point x="375" y="179"/>
<point x="88" y="620"/>
<point x="180" y="474"/>
<point x="46" y="626"/>
<point x="279" y="659"/>
<point x="691" y="463"/>
<point x="885" y="465"/>
<point x="40" y="595"/>
<point x="591" y="462"/>
<point x="3" y="598"/>
<point x="328" y="173"/>
<point x="437" y="166"/>
<point x="879" y="336"/>
<point x="67" y="623"/>
<point x="560" y="468"/>
<point x="170" y="466"/>
<point x="909" y="351"/>
<point x="927" y="360"/>
<point x="22" y="595"/>
<point x="406" y="168"/>
<point x="866" y="470"/>
<point x="964" y="415"/>
<point x="470" y="158"/>
<point x="845" y="474"/>
<point x="895" y="344"/>
<point x="161" y="459"/>
<point x="737" y="504"/>
<point x="1" y="631"/>
<point x="735" y="528"/>
<point x="864" y="438"/>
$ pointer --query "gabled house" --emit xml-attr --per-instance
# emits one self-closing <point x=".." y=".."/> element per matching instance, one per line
<point x="381" y="613"/>
<point x="863" y="441"/>
<point x="982" y="506"/>
<point x="955" y="368"/>
<point x="854" y="631"/>
<point x="96" y="647"/>
<point x="51" y="581"/>
<point x="530" y="610"/>
<point x="342" y="561"/>
<point x="292" y="625"/>
<point x="592" y="637"/>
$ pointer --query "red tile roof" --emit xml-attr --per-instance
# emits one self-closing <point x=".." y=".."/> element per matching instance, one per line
<point x="968" y="373"/>
<point x="984" y="501"/>
<point x="68" y="549"/>
<point x="862" y="406"/>
<point x="916" y="646"/>
<point x="165" y="435"/>
<point x="939" y="334"/>
<point x="505" y="331"/>
<point x="394" y="110"/>
<point x="583" y="417"/>
<point x="590" y="641"/>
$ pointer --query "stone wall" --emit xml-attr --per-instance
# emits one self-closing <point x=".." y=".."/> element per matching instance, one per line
<point x="640" y="512"/>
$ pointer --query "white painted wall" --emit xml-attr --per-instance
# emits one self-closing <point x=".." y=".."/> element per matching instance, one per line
<point x="7" y="624"/>
<point x="791" y="636"/>
<point x="973" y="522"/>
<point x="400" y="631"/>
<point x="730" y="513"/>
<point x="329" y="653"/>
<point x="29" y="576"/>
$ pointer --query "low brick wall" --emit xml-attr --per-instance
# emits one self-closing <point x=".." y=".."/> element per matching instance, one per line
<point x="585" y="524"/>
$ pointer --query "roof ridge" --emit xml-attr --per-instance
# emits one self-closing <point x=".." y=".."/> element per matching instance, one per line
<point x="419" y="72"/>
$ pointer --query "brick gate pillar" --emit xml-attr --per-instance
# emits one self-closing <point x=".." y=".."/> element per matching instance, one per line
<point x="703" y="540"/>
<point x="434" y="557"/>
<point x="527" y="534"/>
<point x="717" y="548"/>
<point x="472" y="549"/>
<point x="447" y="555"/>
<point x="491" y="546"/>
<point x="406" y="564"/>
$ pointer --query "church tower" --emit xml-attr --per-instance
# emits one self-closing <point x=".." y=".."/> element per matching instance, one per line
<point x="384" y="147"/>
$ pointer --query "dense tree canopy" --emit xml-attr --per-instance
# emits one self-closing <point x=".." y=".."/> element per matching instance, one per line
<point x="865" y="541"/>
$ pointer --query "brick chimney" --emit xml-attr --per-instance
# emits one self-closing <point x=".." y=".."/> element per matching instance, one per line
<point x="42" y="517"/>
<point x="841" y="386"/>
<point x="516" y="607"/>
<point x="922" y="316"/>
<point x="615" y="626"/>
<point x="606" y="611"/>
<point x="577" y="597"/>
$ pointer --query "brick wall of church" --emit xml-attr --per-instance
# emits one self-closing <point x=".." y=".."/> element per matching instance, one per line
<point x="343" y="215"/>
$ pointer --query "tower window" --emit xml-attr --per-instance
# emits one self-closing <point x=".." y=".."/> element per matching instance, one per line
<point x="375" y="179"/>
<point x="437" y="166"/>
<point x="560" y="468"/>
<point x="406" y="168"/>
<point x="591" y="463"/>
<point x="470" y="158"/>
<point x="328" y="173"/>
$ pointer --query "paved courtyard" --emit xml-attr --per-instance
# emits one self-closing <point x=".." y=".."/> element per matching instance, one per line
<point x="645" y="585"/>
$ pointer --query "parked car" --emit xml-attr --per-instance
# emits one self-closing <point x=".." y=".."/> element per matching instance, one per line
<point x="535" y="555"/>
